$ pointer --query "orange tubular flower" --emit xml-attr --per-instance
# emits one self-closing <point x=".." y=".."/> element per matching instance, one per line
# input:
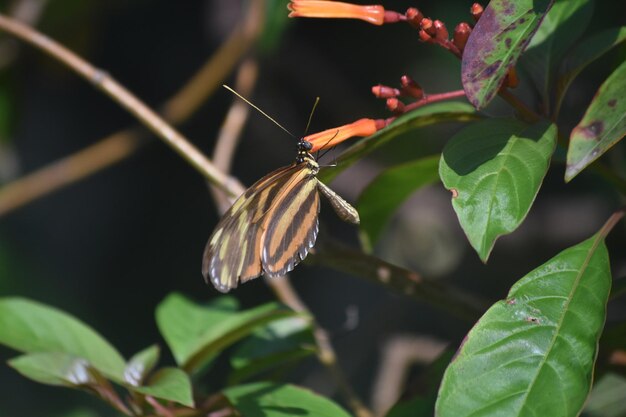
<point x="335" y="9"/>
<point x="331" y="137"/>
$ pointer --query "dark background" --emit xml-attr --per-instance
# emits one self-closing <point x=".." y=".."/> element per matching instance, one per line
<point x="108" y="249"/>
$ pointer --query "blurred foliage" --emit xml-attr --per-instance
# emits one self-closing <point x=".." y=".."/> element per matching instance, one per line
<point x="117" y="246"/>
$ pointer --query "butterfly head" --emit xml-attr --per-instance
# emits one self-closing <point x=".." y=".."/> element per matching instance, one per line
<point x="304" y="148"/>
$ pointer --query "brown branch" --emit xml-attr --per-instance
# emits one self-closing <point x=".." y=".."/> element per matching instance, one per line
<point x="442" y="296"/>
<point x="230" y="132"/>
<point x="70" y="169"/>
<point x="122" y="144"/>
<point x="124" y="97"/>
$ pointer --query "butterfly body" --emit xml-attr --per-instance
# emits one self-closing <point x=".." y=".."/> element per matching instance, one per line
<point x="272" y="226"/>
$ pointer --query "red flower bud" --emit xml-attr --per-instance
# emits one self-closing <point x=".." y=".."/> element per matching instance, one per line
<point x="411" y="88"/>
<point x="383" y="91"/>
<point x="476" y="11"/>
<point x="441" y="32"/>
<point x="395" y="105"/>
<point x="414" y="17"/>
<point x="427" y="26"/>
<point x="425" y="37"/>
<point x="461" y="34"/>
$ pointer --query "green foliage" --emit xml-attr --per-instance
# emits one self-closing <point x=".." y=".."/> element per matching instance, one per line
<point x="533" y="353"/>
<point x="561" y="27"/>
<point x="494" y="169"/>
<point x="197" y="334"/>
<point x="388" y="190"/>
<point x="265" y="399"/>
<point x="603" y="124"/>
<point x="171" y="384"/>
<point x="607" y="397"/>
<point x="62" y="351"/>
<point x="31" y="327"/>
<point x="271" y="346"/>
<point x="583" y="54"/>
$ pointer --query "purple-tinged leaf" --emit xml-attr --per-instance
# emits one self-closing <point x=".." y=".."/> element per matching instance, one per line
<point x="602" y="126"/>
<point x="496" y="43"/>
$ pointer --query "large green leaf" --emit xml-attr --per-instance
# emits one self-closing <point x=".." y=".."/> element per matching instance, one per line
<point x="54" y="368"/>
<point x="278" y="343"/>
<point x="602" y="126"/>
<point x="583" y="54"/>
<point x="533" y="354"/>
<point x="561" y="27"/>
<point x="494" y="169"/>
<point x="30" y="327"/>
<point x="196" y="334"/>
<point x="391" y="188"/>
<point x="496" y="43"/>
<point x="170" y="384"/>
<point x="607" y="397"/>
<point x="267" y="399"/>
<point x="452" y="111"/>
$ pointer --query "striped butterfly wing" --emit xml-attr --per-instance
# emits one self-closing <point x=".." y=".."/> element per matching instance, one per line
<point x="233" y="252"/>
<point x="291" y="226"/>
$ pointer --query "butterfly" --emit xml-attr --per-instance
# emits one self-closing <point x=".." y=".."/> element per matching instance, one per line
<point x="272" y="226"/>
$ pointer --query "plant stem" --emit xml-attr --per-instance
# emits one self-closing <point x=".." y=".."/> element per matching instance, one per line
<point x="526" y="112"/>
<point x="101" y="80"/>
<point x="122" y="144"/>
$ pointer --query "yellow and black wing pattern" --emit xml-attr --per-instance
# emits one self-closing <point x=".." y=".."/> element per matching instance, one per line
<point x="268" y="230"/>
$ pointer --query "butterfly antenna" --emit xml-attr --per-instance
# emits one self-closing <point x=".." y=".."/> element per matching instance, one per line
<point x="259" y="110"/>
<point x="317" y="100"/>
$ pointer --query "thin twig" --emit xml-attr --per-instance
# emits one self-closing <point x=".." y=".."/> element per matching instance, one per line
<point x="125" y="98"/>
<point x="463" y="305"/>
<point x="230" y="132"/>
<point x="70" y="169"/>
<point x="526" y="112"/>
<point x="325" y="352"/>
<point x="122" y="144"/>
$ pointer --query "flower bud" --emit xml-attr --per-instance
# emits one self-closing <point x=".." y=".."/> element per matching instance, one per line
<point x="461" y="34"/>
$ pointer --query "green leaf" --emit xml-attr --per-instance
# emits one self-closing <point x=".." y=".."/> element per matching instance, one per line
<point x="494" y="169"/>
<point x="170" y="384"/>
<point x="496" y="43"/>
<point x="451" y="111"/>
<point x="54" y="368"/>
<point x="602" y="126"/>
<point x="266" y="399"/>
<point x="583" y="54"/>
<point x="607" y="397"/>
<point x="389" y="190"/>
<point x="28" y="326"/>
<point x="141" y="364"/>
<point x="533" y="354"/>
<point x="278" y="343"/>
<point x="196" y="334"/>
<point x="561" y="27"/>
